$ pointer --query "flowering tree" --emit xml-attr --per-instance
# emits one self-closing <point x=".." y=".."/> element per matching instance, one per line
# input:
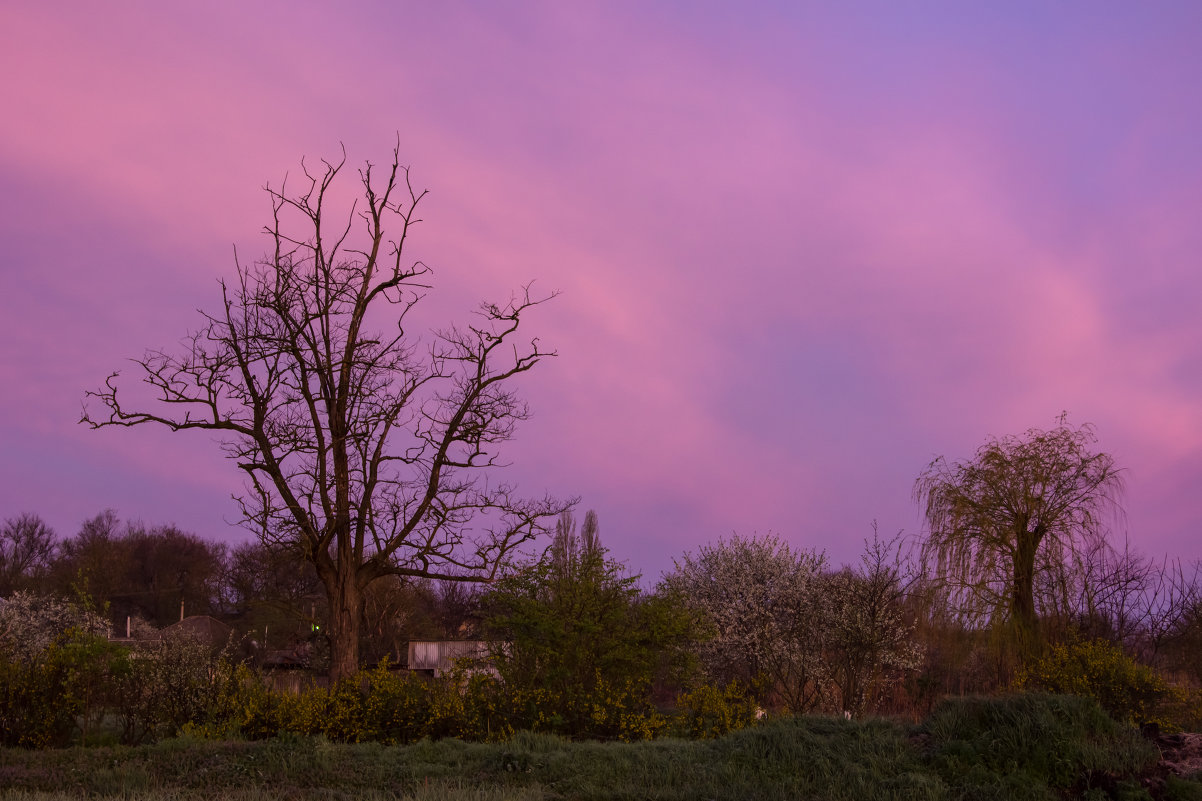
<point x="30" y="623"/>
<point x="761" y="604"/>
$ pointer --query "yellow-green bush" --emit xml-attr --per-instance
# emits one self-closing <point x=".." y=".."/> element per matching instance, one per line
<point x="64" y="689"/>
<point x="239" y="705"/>
<point x="621" y="710"/>
<point x="1129" y="691"/>
<point x="488" y="706"/>
<point x="37" y="708"/>
<point x="377" y="705"/>
<point x="397" y="707"/>
<point x="710" y="711"/>
<point x="42" y="705"/>
<point x="388" y="707"/>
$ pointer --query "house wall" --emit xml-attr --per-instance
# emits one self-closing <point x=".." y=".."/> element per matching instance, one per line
<point x="439" y="656"/>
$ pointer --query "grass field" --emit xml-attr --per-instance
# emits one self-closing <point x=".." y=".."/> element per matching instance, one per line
<point x="1025" y="747"/>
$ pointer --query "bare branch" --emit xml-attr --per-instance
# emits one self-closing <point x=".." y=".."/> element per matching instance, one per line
<point x="367" y="455"/>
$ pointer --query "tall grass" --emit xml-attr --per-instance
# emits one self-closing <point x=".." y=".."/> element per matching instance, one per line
<point x="1033" y="747"/>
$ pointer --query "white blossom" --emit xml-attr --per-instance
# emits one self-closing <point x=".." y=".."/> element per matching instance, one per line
<point x="30" y="623"/>
<point x="760" y="602"/>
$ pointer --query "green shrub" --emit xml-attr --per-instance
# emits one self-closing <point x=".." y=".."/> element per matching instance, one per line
<point x="488" y="706"/>
<point x="66" y="689"/>
<point x="1129" y="691"/>
<point x="710" y="711"/>
<point x="620" y="710"/>
<point x="583" y="644"/>
<point x="37" y="707"/>
<point x="54" y="658"/>
<point x="397" y="706"/>
<point x="167" y="684"/>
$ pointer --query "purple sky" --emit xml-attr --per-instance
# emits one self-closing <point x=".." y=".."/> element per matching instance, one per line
<point x="803" y="248"/>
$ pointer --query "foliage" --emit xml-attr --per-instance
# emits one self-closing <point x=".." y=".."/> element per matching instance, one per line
<point x="38" y="707"/>
<point x="1022" y="747"/>
<point x="367" y="453"/>
<point x="170" y="683"/>
<point x="379" y="705"/>
<point x="1176" y="789"/>
<point x="1017" y="510"/>
<point x="74" y="681"/>
<point x="54" y="662"/>
<point x="708" y="711"/>
<point x="806" y="758"/>
<point x="393" y="707"/>
<point x="1129" y="691"/>
<point x="760" y="606"/>
<point x="404" y="707"/>
<point x="578" y="646"/>
<point x="92" y="666"/>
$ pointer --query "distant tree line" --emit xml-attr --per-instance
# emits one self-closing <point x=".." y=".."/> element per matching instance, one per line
<point x="149" y="575"/>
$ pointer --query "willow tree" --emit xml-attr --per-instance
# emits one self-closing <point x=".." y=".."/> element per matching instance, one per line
<point x="366" y="453"/>
<point x="1020" y="506"/>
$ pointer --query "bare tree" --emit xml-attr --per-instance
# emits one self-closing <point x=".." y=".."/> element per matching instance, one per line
<point x="1119" y="594"/>
<point x="1021" y="506"/>
<point x="870" y="642"/>
<point x="27" y="546"/>
<point x="368" y="454"/>
<point x="569" y="548"/>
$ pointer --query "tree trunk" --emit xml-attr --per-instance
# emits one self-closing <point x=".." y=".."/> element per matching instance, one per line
<point x="1022" y="599"/>
<point x="346" y="616"/>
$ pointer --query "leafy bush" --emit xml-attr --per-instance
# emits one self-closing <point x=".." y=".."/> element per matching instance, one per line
<point x="167" y="684"/>
<point x="61" y="675"/>
<point x="579" y="646"/>
<point x="37" y="707"/>
<point x="1129" y="691"/>
<point x="54" y="666"/>
<point x="397" y="706"/>
<point x="710" y="711"/>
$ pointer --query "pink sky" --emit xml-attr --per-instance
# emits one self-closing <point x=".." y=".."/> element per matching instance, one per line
<point x="801" y="252"/>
